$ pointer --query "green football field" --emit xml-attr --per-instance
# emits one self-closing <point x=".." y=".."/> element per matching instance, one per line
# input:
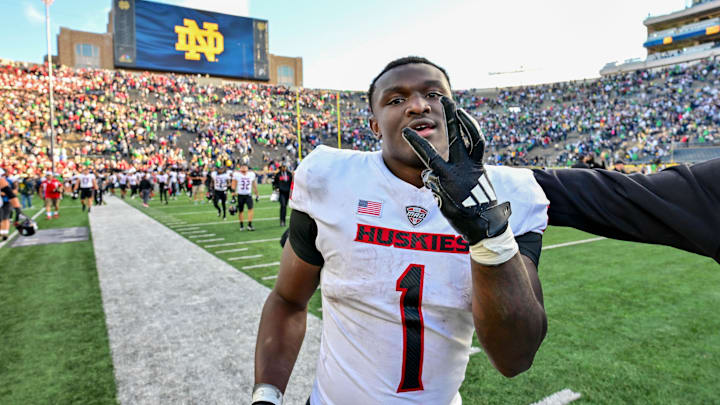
<point x="628" y="323"/>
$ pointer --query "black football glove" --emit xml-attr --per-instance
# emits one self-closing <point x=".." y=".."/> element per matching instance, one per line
<point x="461" y="186"/>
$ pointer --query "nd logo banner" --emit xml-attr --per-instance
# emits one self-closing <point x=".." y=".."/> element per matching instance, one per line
<point x="194" y="41"/>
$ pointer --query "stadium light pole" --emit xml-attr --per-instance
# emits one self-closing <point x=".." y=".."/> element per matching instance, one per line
<point x="51" y="130"/>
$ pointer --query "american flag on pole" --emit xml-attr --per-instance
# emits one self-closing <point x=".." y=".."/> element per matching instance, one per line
<point x="372" y="208"/>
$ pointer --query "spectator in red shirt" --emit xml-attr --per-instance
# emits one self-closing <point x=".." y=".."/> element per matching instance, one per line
<point x="52" y="190"/>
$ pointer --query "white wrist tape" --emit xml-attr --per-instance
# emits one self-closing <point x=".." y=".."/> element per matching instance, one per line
<point x="267" y="393"/>
<point x="494" y="251"/>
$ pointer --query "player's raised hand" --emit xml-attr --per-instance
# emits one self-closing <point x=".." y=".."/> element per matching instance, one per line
<point x="460" y="184"/>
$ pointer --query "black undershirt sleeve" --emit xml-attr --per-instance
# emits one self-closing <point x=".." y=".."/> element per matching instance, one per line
<point x="7" y="190"/>
<point x="530" y="245"/>
<point x="302" y="234"/>
<point x="676" y="207"/>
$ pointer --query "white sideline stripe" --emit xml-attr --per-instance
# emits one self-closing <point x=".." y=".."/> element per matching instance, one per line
<point x="577" y="242"/>
<point x="475" y="350"/>
<point x="202" y="235"/>
<point x="209" y="240"/>
<point x="242" y="243"/>
<point x="257" y="266"/>
<point x="192" y="232"/>
<point x="559" y="398"/>
<point x="269" y="277"/>
<point x="12" y="235"/>
<point x="234" y="222"/>
<point x="243" y="257"/>
<point x="231" y="250"/>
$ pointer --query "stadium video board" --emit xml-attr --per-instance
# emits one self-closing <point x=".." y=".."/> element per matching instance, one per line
<point x="157" y="36"/>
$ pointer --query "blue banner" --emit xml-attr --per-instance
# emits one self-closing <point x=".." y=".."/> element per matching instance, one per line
<point x="179" y="39"/>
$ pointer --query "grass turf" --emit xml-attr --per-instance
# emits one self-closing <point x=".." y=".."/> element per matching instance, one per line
<point x="628" y="323"/>
<point x="52" y="325"/>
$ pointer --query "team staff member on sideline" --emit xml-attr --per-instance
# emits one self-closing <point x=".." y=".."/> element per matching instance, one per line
<point x="146" y="187"/>
<point x="87" y="184"/>
<point x="679" y="206"/>
<point x="197" y="179"/>
<point x="8" y="202"/>
<point x="220" y="180"/>
<point x="281" y="183"/>
<point x="406" y="283"/>
<point x="51" y="190"/>
<point x="244" y="183"/>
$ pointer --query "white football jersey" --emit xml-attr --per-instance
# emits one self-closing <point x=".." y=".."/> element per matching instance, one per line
<point x="122" y="178"/>
<point x="244" y="182"/>
<point x="86" y="180"/>
<point x="396" y="283"/>
<point x="221" y="181"/>
<point x="161" y="178"/>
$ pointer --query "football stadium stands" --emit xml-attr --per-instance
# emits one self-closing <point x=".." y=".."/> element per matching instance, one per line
<point x="118" y="118"/>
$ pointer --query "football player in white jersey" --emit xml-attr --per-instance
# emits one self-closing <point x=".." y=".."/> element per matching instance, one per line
<point x="162" y="181"/>
<point x="87" y="184"/>
<point x="405" y="283"/>
<point x="244" y="183"/>
<point x="220" y="183"/>
<point x="133" y="180"/>
<point x="122" y="183"/>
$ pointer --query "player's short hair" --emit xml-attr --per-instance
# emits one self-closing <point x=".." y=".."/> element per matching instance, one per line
<point x="400" y="62"/>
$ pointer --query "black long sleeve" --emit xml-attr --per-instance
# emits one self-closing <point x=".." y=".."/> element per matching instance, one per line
<point x="678" y="207"/>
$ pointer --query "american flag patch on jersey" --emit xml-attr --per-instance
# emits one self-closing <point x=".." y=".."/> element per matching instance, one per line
<point x="372" y="208"/>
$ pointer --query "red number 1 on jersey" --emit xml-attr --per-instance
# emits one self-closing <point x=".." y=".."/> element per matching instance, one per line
<point x="410" y="283"/>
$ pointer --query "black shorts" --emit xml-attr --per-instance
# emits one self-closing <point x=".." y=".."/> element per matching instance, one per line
<point x="220" y="195"/>
<point x="243" y="199"/>
<point x="5" y="211"/>
<point x="86" y="193"/>
<point x="123" y="187"/>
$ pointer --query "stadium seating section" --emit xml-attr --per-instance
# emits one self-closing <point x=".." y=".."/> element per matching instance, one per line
<point x="117" y="118"/>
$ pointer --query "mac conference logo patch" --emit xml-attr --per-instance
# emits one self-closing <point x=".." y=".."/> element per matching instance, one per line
<point x="415" y="214"/>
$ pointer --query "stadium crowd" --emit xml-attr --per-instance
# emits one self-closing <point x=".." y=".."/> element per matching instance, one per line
<point x="118" y="119"/>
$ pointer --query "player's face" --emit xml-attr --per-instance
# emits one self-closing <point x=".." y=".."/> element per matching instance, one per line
<point x="409" y="96"/>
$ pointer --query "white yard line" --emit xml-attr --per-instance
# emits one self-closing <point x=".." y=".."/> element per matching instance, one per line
<point x="192" y="232"/>
<point x="243" y="257"/>
<point x="188" y="228"/>
<point x="12" y="235"/>
<point x="231" y="250"/>
<point x="175" y="205"/>
<point x="475" y="350"/>
<point x="257" y="266"/>
<point x="559" y="398"/>
<point x="232" y="221"/>
<point x="214" y="211"/>
<point x="577" y="242"/>
<point x="203" y="235"/>
<point x="269" y="277"/>
<point x="243" y="242"/>
<point x="209" y="240"/>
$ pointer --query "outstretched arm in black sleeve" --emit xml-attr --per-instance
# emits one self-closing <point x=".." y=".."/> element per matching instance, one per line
<point x="678" y="207"/>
